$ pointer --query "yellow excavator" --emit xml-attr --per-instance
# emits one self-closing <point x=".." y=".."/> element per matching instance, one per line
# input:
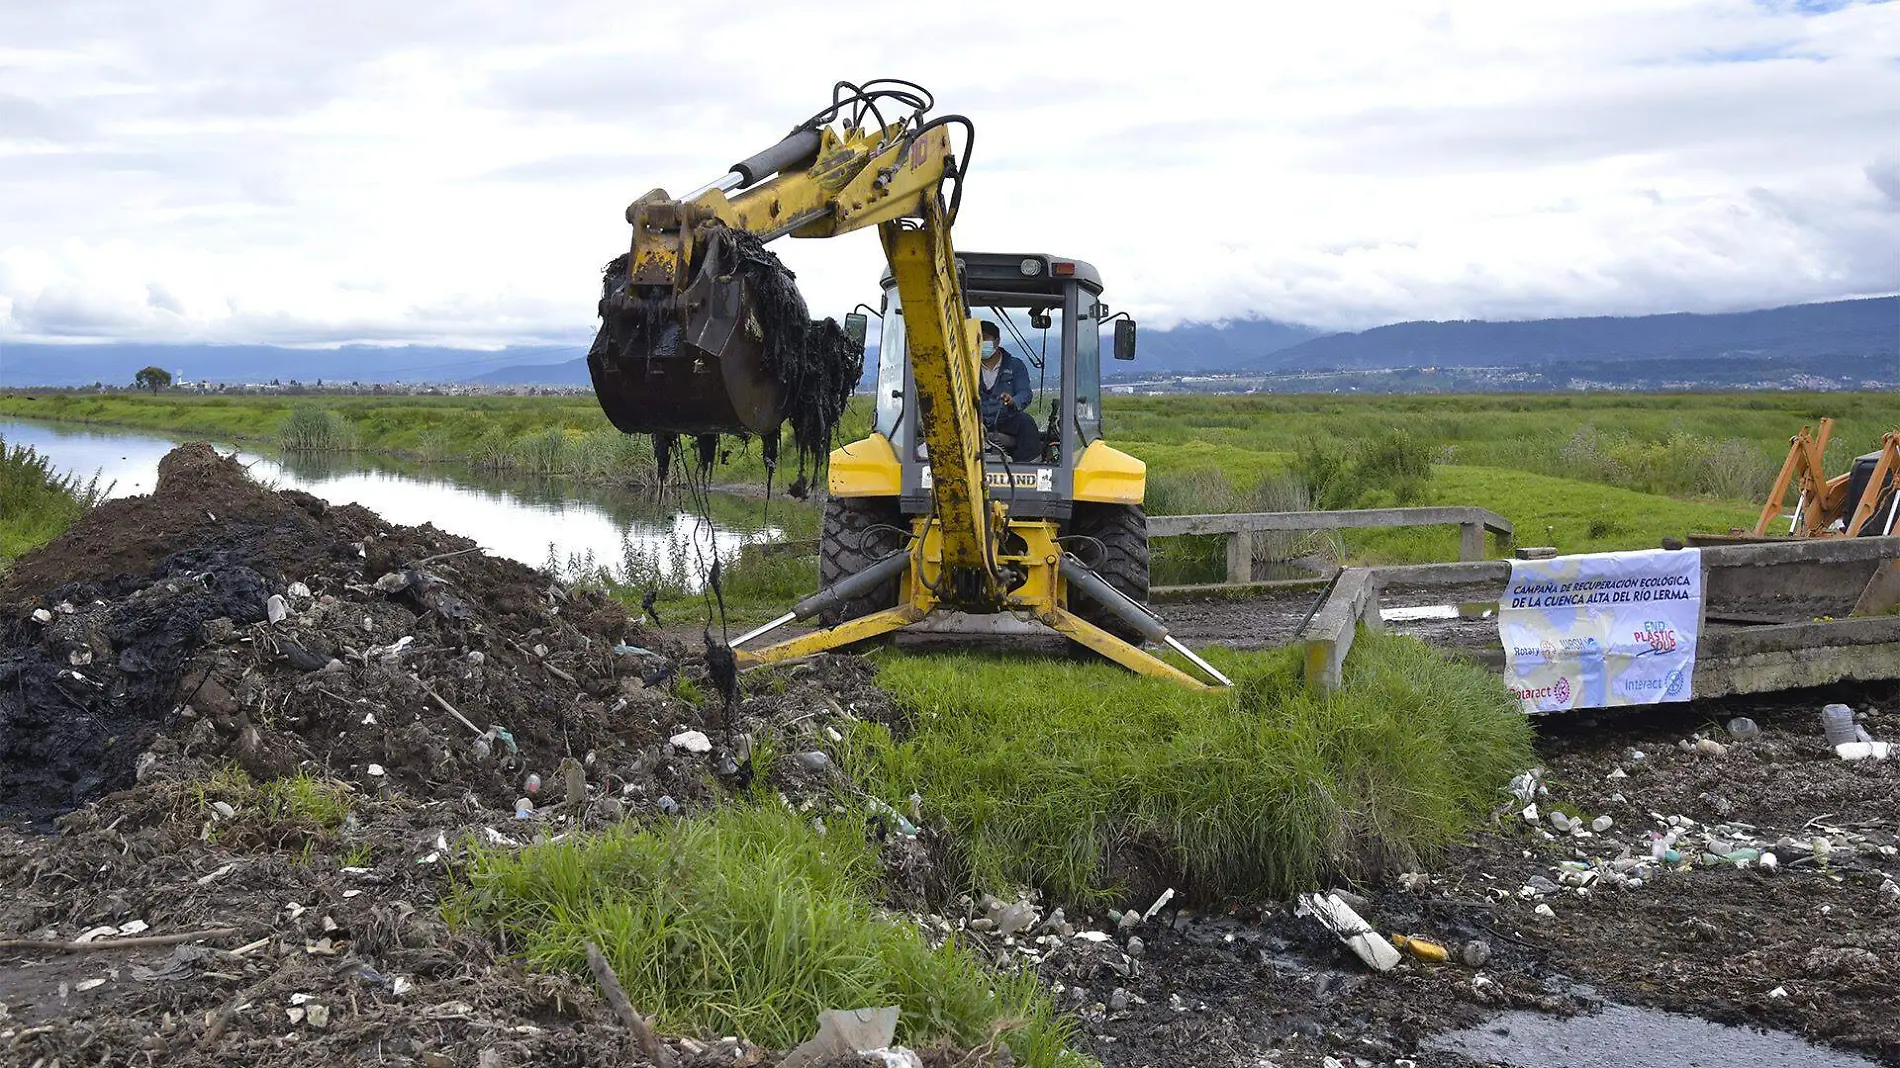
<point x="931" y="519"/>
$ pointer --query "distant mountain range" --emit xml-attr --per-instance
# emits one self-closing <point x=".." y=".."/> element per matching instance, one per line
<point x="24" y="364"/>
<point x="1794" y="336"/>
<point x="1845" y="341"/>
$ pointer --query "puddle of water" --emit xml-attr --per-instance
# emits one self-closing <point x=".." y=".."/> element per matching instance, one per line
<point x="538" y="522"/>
<point x="1623" y="1036"/>
<point x="1424" y="611"/>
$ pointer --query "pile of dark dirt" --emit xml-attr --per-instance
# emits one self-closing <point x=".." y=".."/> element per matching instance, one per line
<point x="248" y="710"/>
<point x="217" y="621"/>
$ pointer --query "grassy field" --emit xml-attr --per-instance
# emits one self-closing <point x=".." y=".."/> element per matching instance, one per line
<point x="1584" y="473"/>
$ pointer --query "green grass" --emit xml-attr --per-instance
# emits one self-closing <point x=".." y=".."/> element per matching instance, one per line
<point x="1685" y="461"/>
<point x="37" y="503"/>
<point x="748" y="921"/>
<point x="1052" y="773"/>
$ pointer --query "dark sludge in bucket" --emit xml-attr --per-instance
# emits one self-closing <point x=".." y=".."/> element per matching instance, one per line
<point x="736" y="354"/>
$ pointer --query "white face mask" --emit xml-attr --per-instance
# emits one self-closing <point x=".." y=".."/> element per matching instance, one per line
<point x="989" y="348"/>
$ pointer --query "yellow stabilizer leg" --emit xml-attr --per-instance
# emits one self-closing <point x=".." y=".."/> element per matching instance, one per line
<point x="1081" y="630"/>
<point x="819" y="641"/>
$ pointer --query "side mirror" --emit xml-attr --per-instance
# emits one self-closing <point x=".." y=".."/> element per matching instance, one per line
<point x="856" y="326"/>
<point x="1124" y="339"/>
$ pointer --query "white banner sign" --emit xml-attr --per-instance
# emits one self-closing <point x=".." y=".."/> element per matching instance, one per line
<point x="1602" y="629"/>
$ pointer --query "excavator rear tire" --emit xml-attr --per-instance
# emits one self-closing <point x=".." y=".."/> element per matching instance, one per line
<point x="1122" y="559"/>
<point x="857" y="532"/>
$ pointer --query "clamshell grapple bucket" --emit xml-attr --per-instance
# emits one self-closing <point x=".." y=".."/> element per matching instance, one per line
<point x="687" y="361"/>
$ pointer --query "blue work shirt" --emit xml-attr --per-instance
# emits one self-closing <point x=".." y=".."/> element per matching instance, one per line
<point x="1012" y="379"/>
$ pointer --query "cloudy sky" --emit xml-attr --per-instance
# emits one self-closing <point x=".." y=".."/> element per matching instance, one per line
<point x="256" y="171"/>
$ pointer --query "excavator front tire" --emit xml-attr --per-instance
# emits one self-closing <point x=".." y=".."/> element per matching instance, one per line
<point x="857" y="532"/>
<point x="1122" y="530"/>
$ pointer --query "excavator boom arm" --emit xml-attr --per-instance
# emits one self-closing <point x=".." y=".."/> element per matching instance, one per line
<point x="892" y="179"/>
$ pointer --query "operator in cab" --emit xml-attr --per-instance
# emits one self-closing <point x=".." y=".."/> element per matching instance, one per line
<point x="1005" y="396"/>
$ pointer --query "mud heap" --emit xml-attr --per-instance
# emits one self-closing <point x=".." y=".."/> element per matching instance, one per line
<point x="220" y="621"/>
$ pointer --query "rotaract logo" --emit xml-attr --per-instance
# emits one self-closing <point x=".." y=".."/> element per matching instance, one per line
<point x="1561" y="691"/>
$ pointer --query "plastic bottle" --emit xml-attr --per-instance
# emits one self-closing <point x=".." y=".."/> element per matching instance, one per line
<point x="1837" y="722"/>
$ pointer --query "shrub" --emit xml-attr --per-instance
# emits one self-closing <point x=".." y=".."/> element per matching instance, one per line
<point x="309" y="428"/>
<point x="37" y="502"/>
<point x="1068" y="777"/>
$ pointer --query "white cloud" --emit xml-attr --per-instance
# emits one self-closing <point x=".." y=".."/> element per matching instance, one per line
<point x="247" y="171"/>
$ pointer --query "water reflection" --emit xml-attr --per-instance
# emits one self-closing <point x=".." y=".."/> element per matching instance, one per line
<point x="538" y="521"/>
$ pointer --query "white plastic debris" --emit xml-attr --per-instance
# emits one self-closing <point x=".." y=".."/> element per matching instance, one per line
<point x="1166" y="896"/>
<point x="1778" y="992"/>
<point x="1710" y="747"/>
<point x="1601" y="824"/>
<point x="88" y="984"/>
<point x="1338" y="917"/>
<point x="1769" y="861"/>
<point x="1530" y="813"/>
<point x="1863" y="750"/>
<point x="845" y="1034"/>
<point x="1545" y="911"/>
<point x="375" y="771"/>
<point x="1525" y="785"/>
<point x="300" y="591"/>
<point x="224" y="809"/>
<point x="41" y="615"/>
<point x="275" y="608"/>
<point x="691" y="742"/>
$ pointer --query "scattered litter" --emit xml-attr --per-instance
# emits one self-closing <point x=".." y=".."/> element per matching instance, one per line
<point x="1475" y="953"/>
<point x="1743" y="727"/>
<point x="1420" y="948"/>
<point x="814" y="760"/>
<point x="1526" y="786"/>
<point x="1161" y="901"/>
<point x="1863" y="750"/>
<point x="1710" y="747"/>
<point x="1545" y="911"/>
<point x="1837" y="723"/>
<point x="844" y="1034"/>
<point x="88" y="984"/>
<point x="691" y="742"/>
<point x="275" y="609"/>
<point x="375" y="771"/>
<point x="1601" y="824"/>
<point x="1338" y="917"/>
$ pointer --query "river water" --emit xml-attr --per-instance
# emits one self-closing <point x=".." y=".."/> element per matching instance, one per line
<point x="541" y="522"/>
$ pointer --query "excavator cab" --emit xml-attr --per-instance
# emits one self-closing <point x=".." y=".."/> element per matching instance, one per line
<point x="1051" y="315"/>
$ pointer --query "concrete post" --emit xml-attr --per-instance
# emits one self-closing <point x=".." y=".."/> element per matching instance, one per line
<point x="1240" y="556"/>
<point x="1471" y="541"/>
